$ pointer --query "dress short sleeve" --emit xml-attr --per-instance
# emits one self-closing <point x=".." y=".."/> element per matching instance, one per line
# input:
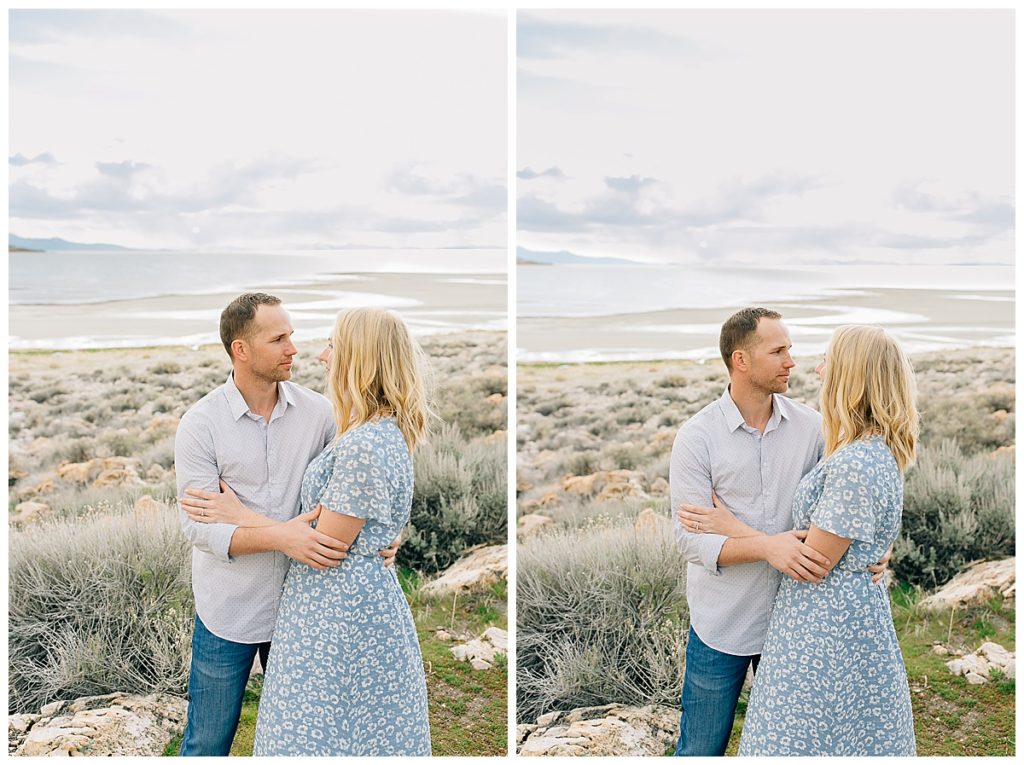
<point x="846" y="506"/>
<point x="358" y="484"/>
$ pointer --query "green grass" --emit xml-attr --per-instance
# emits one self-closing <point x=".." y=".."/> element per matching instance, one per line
<point x="468" y="708"/>
<point x="951" y="717"/>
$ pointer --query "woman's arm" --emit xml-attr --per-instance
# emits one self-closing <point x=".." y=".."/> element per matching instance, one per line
<point x="225" y="507"/>
<point x="344" y="528"/>
<point x="828" y="544"/>
<point x="714" y="520"/>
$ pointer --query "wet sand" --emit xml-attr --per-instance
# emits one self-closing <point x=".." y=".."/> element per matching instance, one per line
<point x="429" y="303"/>
<point x="945" y="319"/>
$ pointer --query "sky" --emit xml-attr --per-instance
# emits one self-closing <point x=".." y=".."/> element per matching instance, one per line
<point x="769" y="137"/>
<point x="259" y="130"/>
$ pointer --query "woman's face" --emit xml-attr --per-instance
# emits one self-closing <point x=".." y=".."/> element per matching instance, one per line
<point x="326" y="354"/>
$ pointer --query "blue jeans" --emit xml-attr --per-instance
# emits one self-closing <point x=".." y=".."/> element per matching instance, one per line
<point x="711" y="688"/>
<point x="216" y="688"/>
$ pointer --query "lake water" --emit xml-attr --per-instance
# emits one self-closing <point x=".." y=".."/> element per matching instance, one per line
<point x="615" y="312"/>
<point x="131" y="299"/>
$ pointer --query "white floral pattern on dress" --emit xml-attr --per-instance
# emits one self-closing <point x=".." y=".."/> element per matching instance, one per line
<point x="831" y="678"/>
<point x="345" y="675"/>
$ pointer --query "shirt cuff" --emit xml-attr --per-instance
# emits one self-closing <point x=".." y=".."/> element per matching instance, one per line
<point x="710" y="546"/>
<point x="220" y="541"/>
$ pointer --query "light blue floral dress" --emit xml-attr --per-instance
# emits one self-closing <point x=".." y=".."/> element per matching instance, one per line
<point x="831" y="678"/>
<point x="345" y="675"/>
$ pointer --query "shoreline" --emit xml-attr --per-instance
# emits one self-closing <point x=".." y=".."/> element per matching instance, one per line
<point x="429" y="303"/>
<point x="922" y="319"/>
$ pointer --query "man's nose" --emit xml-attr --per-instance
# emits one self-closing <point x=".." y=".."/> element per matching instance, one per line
<point x="291" y="350"/>
<point x="789" y="363"/>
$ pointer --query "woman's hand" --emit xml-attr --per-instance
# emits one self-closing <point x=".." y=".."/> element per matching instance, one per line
<point x="713" y="520"/>
<point x="211" y="507"/>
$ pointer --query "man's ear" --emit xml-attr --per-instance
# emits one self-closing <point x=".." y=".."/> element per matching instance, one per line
<point x="239" y="350"/>
<point x="739" y="360"/>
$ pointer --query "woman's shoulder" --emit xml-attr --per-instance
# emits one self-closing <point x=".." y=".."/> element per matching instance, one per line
<point x="860" y="453"/>
<point x="376" y="433"/>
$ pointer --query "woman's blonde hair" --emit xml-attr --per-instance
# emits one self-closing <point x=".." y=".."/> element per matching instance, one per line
<point x="377" y="370"/>
<point x="869" y="389"/>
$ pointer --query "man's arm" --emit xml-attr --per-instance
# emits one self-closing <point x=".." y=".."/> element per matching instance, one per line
<point x="690" y="483"/>
<point x="195" y="467"/>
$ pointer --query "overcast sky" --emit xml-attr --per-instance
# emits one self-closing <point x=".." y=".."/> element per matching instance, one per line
<point x="775" y="137"/>
<point x="259" y="129"/>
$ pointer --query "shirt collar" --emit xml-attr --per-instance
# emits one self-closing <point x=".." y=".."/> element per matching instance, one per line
<point x="733" y="418"/>
<point x="285" y="398"/>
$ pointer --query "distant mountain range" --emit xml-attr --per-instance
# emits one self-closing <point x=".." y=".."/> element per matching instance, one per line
<point x="58" y="245"/>
<point x="564" y="256"/>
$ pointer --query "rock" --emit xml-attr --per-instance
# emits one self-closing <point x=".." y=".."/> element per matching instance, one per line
<point x="977" y="667"/>
<point x="548" y="500"/>
<point x="530" y="524"/>
<point x="629" y="483"/>
<point x="660" y="486"/>
<point x="115" y="724"/>
<point x="76" y="471"/>
<point x="15" y="474"/>
<point x="495" y="398"/>
<point x="939" y="649"/>
<point x="116" y="477"/>
<point x="481" y="567"/>
<point x="976" y="584"/>
<point x="443" y="634"/>
<point x="146" y="506"/>
<point x="664" y="436"/>
<point x="28" y="511"/>
<point x="496" y="437"/>
<point x="649" y="522"/>
<point x="995" y="654"/>
<point x="164" y="424"/>
<point x="522" y="486"/>
<point x="482" y="651"/>
<point x="43" y="487"/>
<point x="155" y="472"/>
<point x="612" y="730"/>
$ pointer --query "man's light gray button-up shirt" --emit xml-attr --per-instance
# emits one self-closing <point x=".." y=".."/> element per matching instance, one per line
<point x="755" y="475"/>
<point x="263" y="462"/>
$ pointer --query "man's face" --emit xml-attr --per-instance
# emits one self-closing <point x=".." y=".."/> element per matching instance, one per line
<point x="270" y="344"/>
<point x="769" y="361"/>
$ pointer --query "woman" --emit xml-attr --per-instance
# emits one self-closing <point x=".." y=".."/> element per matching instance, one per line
<point x="345" y="675"/>
<point x="831" y="678"/>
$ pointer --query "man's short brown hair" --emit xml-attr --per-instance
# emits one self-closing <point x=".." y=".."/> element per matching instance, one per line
<point x="739" y="331"/>
<point x="238" y="318"/>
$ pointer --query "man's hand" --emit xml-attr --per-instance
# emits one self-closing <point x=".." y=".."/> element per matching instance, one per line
<point x="302" y="543"/>
<point x="879" y="569"/>
<point x="388" y="553"/>
<point x="787" y="553"/>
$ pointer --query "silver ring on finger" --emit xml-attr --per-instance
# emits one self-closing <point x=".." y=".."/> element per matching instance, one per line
<point x="696" y="526"/>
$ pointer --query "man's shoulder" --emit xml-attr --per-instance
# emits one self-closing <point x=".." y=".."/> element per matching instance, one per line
<point x="799" y="412"/>
<point x="202" y="408"/>
<point x="304" y="395"/>
<point x="708" y="416"/>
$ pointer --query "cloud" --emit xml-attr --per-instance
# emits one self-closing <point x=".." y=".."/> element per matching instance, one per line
<point x="624" y="203"/>
<point x="967" y="207"/>
<point x="47" y="26"/>
<point x="528" y="174"/>
<point x="484" y="195"/>
<point x="125" y="169"/>
<point x="631" y="185"/>
<point x="538" y="38"/>
<point x="20" y="160"/>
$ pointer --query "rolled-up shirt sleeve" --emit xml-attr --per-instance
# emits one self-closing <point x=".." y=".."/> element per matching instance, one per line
<point x="195" y="467"/>
<point x="690" y="482"/>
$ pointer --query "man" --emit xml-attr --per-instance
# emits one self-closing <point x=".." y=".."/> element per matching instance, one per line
<point x="750" y="448"/>
<point x="256" y="433"/>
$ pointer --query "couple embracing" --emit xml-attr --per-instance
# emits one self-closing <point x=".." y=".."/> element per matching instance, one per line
<point x="787" y="519"/>
<point x="294" y="504"/>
